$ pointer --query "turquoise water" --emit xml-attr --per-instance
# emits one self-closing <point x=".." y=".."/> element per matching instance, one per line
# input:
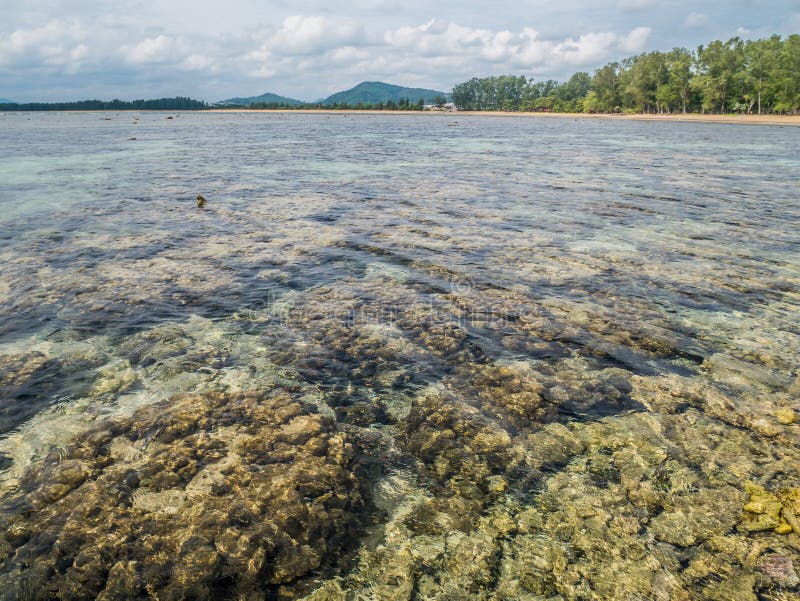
<point x="393" y="359"/>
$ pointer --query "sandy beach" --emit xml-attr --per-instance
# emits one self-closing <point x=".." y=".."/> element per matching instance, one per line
<point x="747" y="119"/>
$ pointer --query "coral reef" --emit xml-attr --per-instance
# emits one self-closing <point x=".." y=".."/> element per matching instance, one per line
<point x="201" y="497"/>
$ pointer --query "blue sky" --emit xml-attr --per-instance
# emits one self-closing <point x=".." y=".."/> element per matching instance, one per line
<point x="75" y="49"/>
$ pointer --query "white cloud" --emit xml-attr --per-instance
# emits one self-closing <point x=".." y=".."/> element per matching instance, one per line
<point x="198" y="62"/>
<point x="55" y="44"/>
<point x="694" y="20"/>
<point x="301" y="34"/>
<point x="587" y="49"/>
<point x="635" y="5"/>
<point x="507" y="50"/>
<point x="636" y="40"/>
<point x="262" y="73"/>
<point x="158" y="49"/>
<point x="435" y="53"/>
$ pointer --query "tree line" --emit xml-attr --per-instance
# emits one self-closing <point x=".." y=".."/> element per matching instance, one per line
<point x="160" y="104"/>
<point x="402" y="104"/>
<point x="737" y="76"/>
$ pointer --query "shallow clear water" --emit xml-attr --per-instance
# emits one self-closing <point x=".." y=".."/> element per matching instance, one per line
<point x="522" y="358"/>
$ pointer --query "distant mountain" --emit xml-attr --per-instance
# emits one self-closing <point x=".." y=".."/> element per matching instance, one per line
<point x="268" y="98"/>
<point x="373" y="92"/>
<point x="6" y="101"/>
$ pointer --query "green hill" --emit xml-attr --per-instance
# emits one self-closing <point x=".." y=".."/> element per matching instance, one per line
<point x="373" y="92"/>
<point x="268" y="98"/>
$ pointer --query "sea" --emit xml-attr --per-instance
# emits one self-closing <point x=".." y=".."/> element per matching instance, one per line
<point x="398" y="357"/>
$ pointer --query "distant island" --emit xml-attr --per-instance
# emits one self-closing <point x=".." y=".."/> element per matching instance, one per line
<point x="724" y="77"/>
<point x="376" y="92"/>
<point x="366" y="95"/>
<point x="268" y="99"/>
<point x="160" y="104"/>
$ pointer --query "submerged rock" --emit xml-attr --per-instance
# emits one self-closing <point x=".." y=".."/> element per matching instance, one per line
<point x="762" y="511"/>
<point x="767" y="511"/>
<point x="790" y="508"/>
<point x="786" y="416"/>
<point x="114" y="378"/>
<point x="779" y="569"/>
<point x="27" y="383"/>
<point x="200" y="497"/>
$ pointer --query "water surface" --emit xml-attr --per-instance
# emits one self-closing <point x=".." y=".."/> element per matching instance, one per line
<point x="518" y="358"/>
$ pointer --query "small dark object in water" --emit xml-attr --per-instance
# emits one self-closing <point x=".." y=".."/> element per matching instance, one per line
<point x="453" y="124"/>
<point x="169" y="117"/>
<point x="201" y="201"/>
<point x="131" y="139"/>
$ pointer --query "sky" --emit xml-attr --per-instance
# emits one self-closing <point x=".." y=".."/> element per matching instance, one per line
<point x="58" y="50"/>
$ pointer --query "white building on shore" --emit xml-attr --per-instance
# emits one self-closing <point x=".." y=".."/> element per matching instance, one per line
<point x="447" y="107"/>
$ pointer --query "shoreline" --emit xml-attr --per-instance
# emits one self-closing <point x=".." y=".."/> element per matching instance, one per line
<point x="691" y="117"/>
<point x="792" y="120"/>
